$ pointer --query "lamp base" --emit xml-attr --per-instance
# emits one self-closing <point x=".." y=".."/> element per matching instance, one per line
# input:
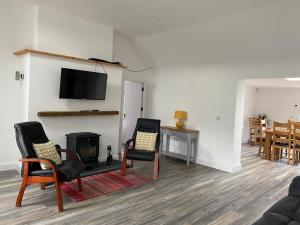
<point x="180" y="125"/>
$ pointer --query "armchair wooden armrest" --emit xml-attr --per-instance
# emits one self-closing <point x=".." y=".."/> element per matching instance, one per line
<point x="71" y="154"/>
<point x="49" y="162"/>
<point x="127" y="145"/>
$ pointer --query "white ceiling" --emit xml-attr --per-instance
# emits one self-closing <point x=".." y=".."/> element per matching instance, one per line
<point x="276" y="83"/>
<point x="143" y="17"/>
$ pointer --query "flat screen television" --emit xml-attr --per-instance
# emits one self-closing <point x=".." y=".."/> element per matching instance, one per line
<point x="79" y="84"/>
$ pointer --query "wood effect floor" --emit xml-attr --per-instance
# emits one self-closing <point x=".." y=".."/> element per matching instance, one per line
<point x="183" y="195"/>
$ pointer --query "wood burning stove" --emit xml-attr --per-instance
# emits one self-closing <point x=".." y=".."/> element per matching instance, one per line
<point x="86" y="145"/>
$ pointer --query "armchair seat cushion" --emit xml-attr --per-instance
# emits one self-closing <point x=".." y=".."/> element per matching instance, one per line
<point x="68" y="170"/>
<point x="142" y="155"/>
<point x="281" y="144"/>
<point x="44" y="173"/>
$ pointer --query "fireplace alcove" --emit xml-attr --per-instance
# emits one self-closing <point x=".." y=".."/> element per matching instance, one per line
<point x="86" y="145"/>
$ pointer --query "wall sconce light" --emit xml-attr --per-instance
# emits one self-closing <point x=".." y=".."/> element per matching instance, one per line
<point x="19" y="75"/>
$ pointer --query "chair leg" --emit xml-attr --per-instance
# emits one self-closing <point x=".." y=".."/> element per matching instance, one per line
<point x="156" y="162"/>
<point x="273" y="153"/>
<point x="289" y="156"/>
<point x="79" y="184"/>
<point x="259" y="150"/>
<point x="124" y="167"/>
<point x="131" y="163"/>
<point x="293" y="156"/>
<point x="280" y="153"/>
<point x="20" y="195"/>
<point x="43" y="186"/>
<point x="59" y="197"/>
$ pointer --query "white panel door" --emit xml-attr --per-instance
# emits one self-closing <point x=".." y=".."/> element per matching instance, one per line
<point x="132" y="107"/>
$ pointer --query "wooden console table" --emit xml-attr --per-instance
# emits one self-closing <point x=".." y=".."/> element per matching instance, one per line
<point x="189" y="135"/>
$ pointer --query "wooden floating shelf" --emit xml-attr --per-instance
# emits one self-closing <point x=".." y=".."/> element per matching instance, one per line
<point x="43" y="53"/>
<point x="76" y="113"/>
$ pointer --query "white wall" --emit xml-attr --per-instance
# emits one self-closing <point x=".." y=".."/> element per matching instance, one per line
<point x="25" y="25"/>
<point x="250" y="103"/>
<point x="44" y="81"/>
<point x="17" y="22"/>
<point x="197" y="68"/>
<point x="126" y="51"/>
<point x="278" y="103"/>
<point x="72" y="36"/>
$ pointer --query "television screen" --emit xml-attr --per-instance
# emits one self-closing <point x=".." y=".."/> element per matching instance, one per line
<point x="78" y="84"/>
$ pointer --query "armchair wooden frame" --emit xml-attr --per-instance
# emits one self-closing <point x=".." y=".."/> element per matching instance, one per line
<point x="29" y="179"/>
<point x="128" y="145"/>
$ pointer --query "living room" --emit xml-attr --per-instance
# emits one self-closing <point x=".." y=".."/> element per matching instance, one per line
<point x="192" y="58"/>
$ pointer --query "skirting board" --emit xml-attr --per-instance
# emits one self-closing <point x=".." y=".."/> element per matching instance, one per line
<point x="4" y="166"/>
<point x="102" y="159"/>
<point x="227" y="168"/>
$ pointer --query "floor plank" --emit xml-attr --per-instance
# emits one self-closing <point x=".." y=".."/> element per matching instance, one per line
<point x="183" y="195"/>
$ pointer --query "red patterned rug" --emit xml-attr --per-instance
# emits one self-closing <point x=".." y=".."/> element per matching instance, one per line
<point x="102" y="184"/>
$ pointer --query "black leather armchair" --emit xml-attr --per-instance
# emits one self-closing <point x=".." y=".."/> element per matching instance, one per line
<point x="29" y="133"/>
<point x="143" y="125"/>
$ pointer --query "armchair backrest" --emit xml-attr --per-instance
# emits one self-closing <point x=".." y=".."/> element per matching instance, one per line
<point x="29" y="133"/>
<point x="148" y="125"/>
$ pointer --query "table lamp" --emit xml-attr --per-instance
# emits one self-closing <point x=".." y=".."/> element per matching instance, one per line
<point x="181" y="116"/>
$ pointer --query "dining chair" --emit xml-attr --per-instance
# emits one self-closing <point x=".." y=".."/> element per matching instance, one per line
<point x="282" y="134"/>
<point x="257" y="128"/>
<point x="296" y="142"/>
<point x="292" y="122"/>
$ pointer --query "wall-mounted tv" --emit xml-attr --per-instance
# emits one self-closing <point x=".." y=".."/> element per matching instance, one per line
<point x="79" y="84"/>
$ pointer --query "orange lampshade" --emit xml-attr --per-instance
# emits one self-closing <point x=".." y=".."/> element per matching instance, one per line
<point x="182" y="115"/>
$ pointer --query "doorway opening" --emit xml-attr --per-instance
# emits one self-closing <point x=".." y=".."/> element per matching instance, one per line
<point x="132" y="107"/>
<point x="265" y="101"/>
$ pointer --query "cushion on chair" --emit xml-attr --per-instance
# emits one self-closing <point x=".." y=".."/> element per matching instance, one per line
<point x="145" y="141"/>
<point x="68" y="170"/>
<point x="282" y="144"/>
<point x="148" y="125"/>
<point x="47" y="151"/>
<point x="137" y="154"/>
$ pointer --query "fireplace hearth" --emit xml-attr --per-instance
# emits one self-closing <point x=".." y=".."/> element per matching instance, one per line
<point x="86" y="145"/>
